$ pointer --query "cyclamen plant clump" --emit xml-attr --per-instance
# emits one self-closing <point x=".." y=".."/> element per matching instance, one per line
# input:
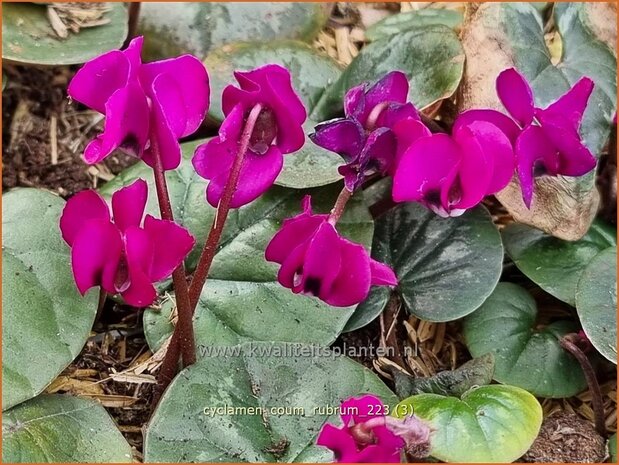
<point x="149" y="107"/>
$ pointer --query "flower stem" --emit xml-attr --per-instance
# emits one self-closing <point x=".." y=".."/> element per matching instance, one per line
<point x="214" y="235"/>
<point x="179" y="278"/>
<point x="568" y="343"/>
<point x="340" y="205"/>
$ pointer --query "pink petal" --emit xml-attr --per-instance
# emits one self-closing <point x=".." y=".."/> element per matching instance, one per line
<point x="79" y="209"/>
<point x="406" y="132"/>
<point x="516" y="95"/>
<point x="352" y="284"/>
<point x="532" y="147"/>
<point x="339" y="441"/>
<point x="139" y="254"/>
<point x="171" y="243"/>
<point x="354" y="100"/>
<point x="360" y="409"/>
<point x="133" y="53"/>
<point x="426" y="169"/>
<point x="382" y="274"/>
<point x="163" y="137"/>
<point x="475" y="172"/>
<point x="258" y="173"/>
<point x="342" y="136"/>
<point x="293" y="232"/>
<point x="126" y="125"/>
<point x="214" y="158"/>
<point x="396" y="112"/>
<point x="393" y="87"/>
<point x="571" y="105"/>
<point x="322" y="262"/>
<point x="575" y="159"/>
<point x="96" y="81"/>
<point x="280" y="82"/>
<point x="128" y="204"/>
<point x="289" y="275"/>
<point x="501" y="121"/>
<point x="188" y="83"/>
<point x="95" y="255"/>
<point x="498" y="149"/>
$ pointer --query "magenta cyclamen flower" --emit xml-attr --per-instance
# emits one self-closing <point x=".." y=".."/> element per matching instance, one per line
<point x="550" y="142"/>
<point x="450" y="174"/>
<point x="278" y="130"/>
<point x="316" y="260"/>
<point x="364" y="138"/>
<point x="144" y="104"/>
<point x="120" y="254"/>
<point x="369" y="436"/>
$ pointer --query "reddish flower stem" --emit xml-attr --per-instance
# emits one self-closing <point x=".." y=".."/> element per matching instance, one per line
<point x="170" y="362"/>
<point x="567" y="342"/>
<point x="340" y="204"/>
<point x="179" y="278"/>
<point x="214" y="235"/>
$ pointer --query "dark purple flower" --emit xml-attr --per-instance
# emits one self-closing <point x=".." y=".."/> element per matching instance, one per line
<point x="157" y="102"/>
<point x="549" y="143"/>
<point x="121" y="254"/>
<point x="316" y="260"/>
<point x="365" y="138"/>
<point x="450" y="174"/>
<point x="278" y="130"/>
<point x="368" y="435"/>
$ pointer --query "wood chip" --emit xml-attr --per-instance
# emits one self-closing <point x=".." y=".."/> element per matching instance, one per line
<point x="53" y="138"/>
<point x="58" y="26"/>
<point x="341" y="42"/>
<point x="132" y="378"/>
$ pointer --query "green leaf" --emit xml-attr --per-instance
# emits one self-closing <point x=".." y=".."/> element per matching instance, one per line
<point x="45" y="320"/>
<point x="596" y="302"/>
<point x="28" y="37"/>
<point x="475" y="372"/>
<point x="311" y="72"/>
<point x="612" y="448"/>
<point x="446" y="267"/>
<point x="551" y="263"/>
<point x="500" y="35"/>
<point x="259" y="376"/>
<point x="187" y="27"/>
<point x="368" y="310"/>
<point x="411" y="20"/>
<point x="55" y="429"/>
<point x="488" y="424"/>
<point x="431" y="57"/>
<point x="526" y="356"/>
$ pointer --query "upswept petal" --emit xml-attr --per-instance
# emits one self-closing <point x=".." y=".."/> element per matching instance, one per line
<point x="294" y="231"/>
<point x="139" y="255"/>
<point x="406" y="132"/>
<point x="571" y="105"/>
<point x="343" y="136"/>
<point x="188" y="95"/>
<point x="339" y="441"/>
<point x="382" y="274"/>
<point x="128" y="204"/>
<point x="126" y="125"/>
<point x="475" y="171"/>
<point x="352" y="283"/>
<point x="501" y="121"/>
<point x="95" y="255"/>
<point x="533" y="148"/>
<point x="171" y="244"/>
<point x="79" y="209"/>
<point x="322" y="263"/>
<point x="516" y="95"/>
<point x="393" y="87"/>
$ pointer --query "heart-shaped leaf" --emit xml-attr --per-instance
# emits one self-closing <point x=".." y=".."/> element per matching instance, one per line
<point x="45" y="320"/>
<point x="431" y="57"/>
<point x="553" y="264"/>
<point x="474" y="373"/>
<point x="499" y="35"/>
<point x="526" y="356"/>
<point x="188" y="27"/>
<point x="596" y="302"/>
<point x="446" y="267"/>
<point x="311" y="72"/>
<point x="257" y="402"/>
<point x="410" y="20"/>
<point x="488" y="424"/>
<point x="56" y="429"/>
<point x="28" y="37"/>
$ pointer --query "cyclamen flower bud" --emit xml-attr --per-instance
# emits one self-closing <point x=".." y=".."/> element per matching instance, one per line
<point x="145" y="104"/>
<point x="120" y="254"/>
